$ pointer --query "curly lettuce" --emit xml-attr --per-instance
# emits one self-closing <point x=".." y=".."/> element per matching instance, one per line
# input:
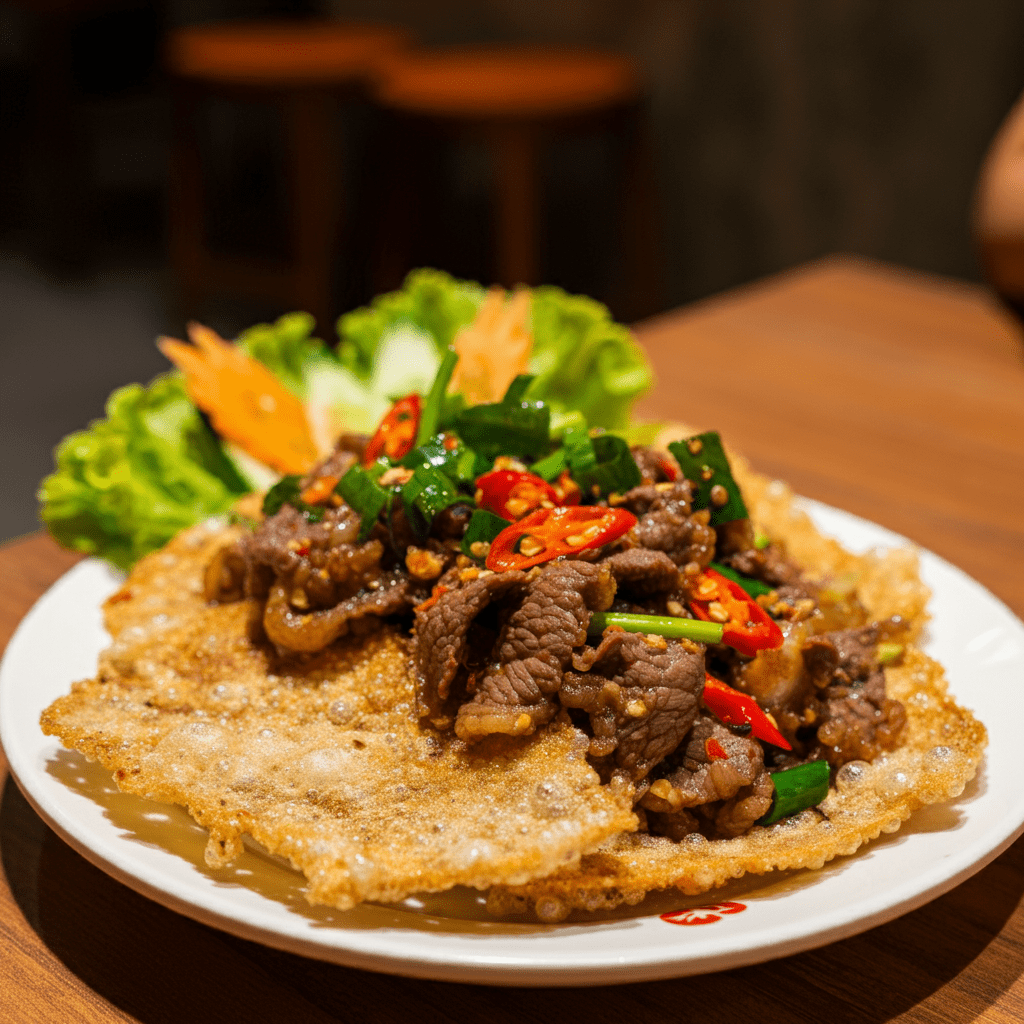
<point x="582" y="358"/>
<point x="130" y="482"/>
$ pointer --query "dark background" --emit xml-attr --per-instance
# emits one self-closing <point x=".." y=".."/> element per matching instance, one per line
<point x="780" y="130"/>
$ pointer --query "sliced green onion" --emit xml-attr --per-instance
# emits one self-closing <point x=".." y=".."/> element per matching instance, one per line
<point x="603" y="462"/>
<point x="361" y="492"/>
<point x="704" y="462"/>
<point x="456" y="461"/>
<point x="551" y="467"/>
<point x="564" y="421"/>
<point x="516" y="392"/>
<point x="483" y="527"/>
<point x="286" y="492"/>
<point x="755" y="588"/>
<point x="282" y="493"/>
<point x="761" y="540"/>
<point x="660" y="625"/>
<point x="427" y="492"/>
<point x="797" y="788"/>
<point x="888" y="653"/>
<point x="430" y="417"/>
<point x="499" y="429"/>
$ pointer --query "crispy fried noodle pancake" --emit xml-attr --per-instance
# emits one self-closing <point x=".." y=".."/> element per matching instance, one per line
<point x="324" y="759"/>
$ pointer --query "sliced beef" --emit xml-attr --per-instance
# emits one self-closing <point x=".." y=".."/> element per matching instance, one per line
<point x="667" y="523"/>
<point x="516" y="695"/>
<point x="655" y="466"/>
<point x="641" y="694"/>
<point x="724" y="796"/>
<point x="640" y="572"/>
<point x="854" y="718"/>
<point x="770" y="565"/>
<point x="308" y="632"/>
<point x="442" y="633"/>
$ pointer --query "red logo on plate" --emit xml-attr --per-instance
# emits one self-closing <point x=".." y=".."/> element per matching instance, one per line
<point x="704" y="915"/>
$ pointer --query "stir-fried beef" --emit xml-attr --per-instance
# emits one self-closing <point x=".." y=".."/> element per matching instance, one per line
<point x="855" y="720"/>
<point x="312" y="631"/>
<point x="641" y="572"/>
<point x="318" y="563"/>
<point x="655" y="466"/>
<point x="729" y="793"/>
<point x="443" y="635"/>
<point x="770" y="565"/>
<point x="641" y="694"/>
<point x="667" y="523"/>
<point x="536" y="644"/>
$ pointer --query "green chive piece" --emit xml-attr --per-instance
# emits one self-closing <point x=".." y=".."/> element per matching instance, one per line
<point x="889" y="652"/>
<point x="561" y="422"/>
<point x="287" y="491"/>
<point x="483" y="526"/>
<point x="430" y="417"/>
<point x="797" y="788"/>
<point x="361" y="492"/>
<point x="704" y="462"/>
<point x="427" y="492"/>
<point x="755" y="588"/>
<point x="660" y="625"/>
<point x="516" y="392"/>
<point x="519" y="429"/>
<point x="551" y="467"/>
<point x="603" y="462"/>
<point x="283" y="492"/>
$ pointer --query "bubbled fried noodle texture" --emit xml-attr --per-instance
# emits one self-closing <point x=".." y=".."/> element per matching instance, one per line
<point x="321" y="760"/>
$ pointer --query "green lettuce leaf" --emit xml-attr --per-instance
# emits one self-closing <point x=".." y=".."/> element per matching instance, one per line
<point x="130" y="482"/>
<point x="288" y="349"/>
<point x="582" y="358"/>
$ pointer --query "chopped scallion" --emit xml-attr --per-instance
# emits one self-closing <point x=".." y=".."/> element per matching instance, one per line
<point x="805" y="785"/>
<point x="660" y="625"/>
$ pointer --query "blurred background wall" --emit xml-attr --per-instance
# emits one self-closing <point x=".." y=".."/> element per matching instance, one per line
<point x="780" y="130"/>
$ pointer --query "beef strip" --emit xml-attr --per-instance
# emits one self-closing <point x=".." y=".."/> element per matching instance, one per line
<point x="656" y="466"/>
<point x="855" y="720"/>
<point x="293" y="631"/>
<point x="771" y="565"/>
<point x="729" y="794"/>
<point x="641" y="694"/>
<point x="442" y="634"/>
<point x="640" y="572"/>
<point x="667" y="523"/>
<point x="515" y="695"/>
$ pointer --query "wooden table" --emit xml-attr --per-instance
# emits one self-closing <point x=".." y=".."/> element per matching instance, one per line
<point x="897" y="396"/>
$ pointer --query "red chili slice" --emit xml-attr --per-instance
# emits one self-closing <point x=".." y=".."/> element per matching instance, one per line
<point x="567" y="489"/>
<point x="512" y="494"/>
<point x="396" y="435"/>
<point x="749" y="628"/>
<point x="551" y="532"/>
<point x="735" y="708"/>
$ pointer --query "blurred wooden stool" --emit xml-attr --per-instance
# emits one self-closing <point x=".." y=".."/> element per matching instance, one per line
<point x="304" y="68"/>
<point x="513" y="98"/>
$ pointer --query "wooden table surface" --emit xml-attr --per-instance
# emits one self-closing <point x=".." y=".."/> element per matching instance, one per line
<point x="897" y="396"/>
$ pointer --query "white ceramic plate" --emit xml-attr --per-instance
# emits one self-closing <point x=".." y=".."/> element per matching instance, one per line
<point x="157" y="849"/>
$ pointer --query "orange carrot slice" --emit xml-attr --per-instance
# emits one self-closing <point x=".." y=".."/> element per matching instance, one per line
<point x="246" y="403"/>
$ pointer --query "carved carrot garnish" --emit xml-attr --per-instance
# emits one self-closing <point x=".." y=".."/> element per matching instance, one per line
<point x="246" y="403"/>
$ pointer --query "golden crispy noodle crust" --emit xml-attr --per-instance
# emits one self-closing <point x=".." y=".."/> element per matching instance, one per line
<point x="938" y="757"/>
<point x="321" y="761"/>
